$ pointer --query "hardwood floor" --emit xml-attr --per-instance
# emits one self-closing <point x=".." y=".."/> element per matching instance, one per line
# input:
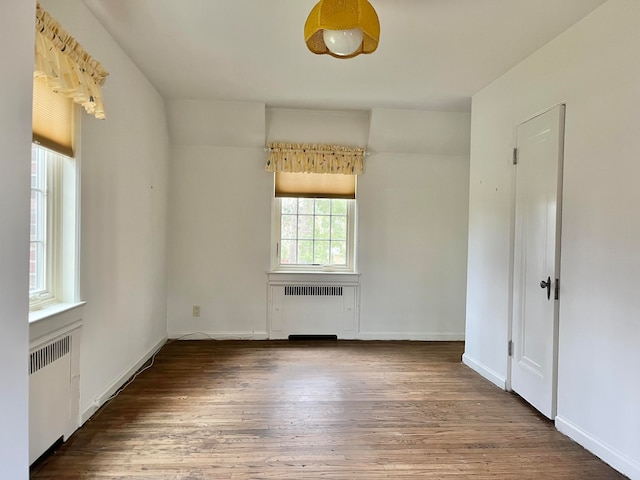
<point x="307" y="410"/>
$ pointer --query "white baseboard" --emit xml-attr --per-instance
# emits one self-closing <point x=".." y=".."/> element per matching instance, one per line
<point x="607" y="453"/>
<point x="218" y="335"/>
<point x="423" y="337"/>
<point x="486" y="372"/>
<point x="416" y="336"/>
<point x="119" y="382"/>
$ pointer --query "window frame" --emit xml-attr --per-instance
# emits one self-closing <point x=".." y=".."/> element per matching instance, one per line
<point x="61" y="232"/>
<point x="38" y="224"/>
<point x="277" y="266"/>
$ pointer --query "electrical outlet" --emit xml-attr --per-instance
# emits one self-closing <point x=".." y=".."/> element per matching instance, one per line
<point x="196" y="310"/>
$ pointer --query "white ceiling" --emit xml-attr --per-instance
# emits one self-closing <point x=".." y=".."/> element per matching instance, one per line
<point x="433" y="54"/>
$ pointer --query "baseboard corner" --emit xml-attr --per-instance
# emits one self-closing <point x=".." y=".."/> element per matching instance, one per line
<point x="484" y="371"/>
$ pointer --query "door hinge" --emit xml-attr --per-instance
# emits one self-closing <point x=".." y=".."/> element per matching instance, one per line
<point x="515" y="155"/>
<point x="556" y="294"/>
<point x="510" y="348"/>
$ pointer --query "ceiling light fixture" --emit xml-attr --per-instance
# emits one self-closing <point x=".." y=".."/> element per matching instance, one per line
<point x="342" y="28"/>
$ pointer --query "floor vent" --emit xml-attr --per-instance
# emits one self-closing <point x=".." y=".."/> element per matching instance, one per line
<point x="313" y="290"/>
<point x="313" y="337"/>
<point x="49" y="354"/>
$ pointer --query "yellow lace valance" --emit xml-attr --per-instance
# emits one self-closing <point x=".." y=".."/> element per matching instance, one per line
<point x="66" y="67"/>
<point x="286" y="157"/>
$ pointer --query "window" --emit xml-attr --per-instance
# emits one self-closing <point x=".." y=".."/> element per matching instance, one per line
<point x="52" y="228"/>
<point x="40" y="258"/>
<point x="314" y="207"/>
<point x="65" y="76"/>
<point x="54" y="217"/>
<point x="314" y="232"/>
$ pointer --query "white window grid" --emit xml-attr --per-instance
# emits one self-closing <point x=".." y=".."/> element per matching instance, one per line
<point x="45" y="241"/>
<point x="287" y="237"/>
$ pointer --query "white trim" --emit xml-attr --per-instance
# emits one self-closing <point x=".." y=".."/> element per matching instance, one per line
<point x="62" y="227"/>
<point x="120" y="381"/>
<point x="55" y="226"/>
<point x="485" y="372"/>
<point x="59" y="317"/>
<point x="351" y="242"/>
<point x="52" y="310"/>
<point x="48" y="188"/>
<point x="415" y="336"/>
<point x="253" y="335"/>
<point x="607" y="453"/>
<point x="313" y="278"/>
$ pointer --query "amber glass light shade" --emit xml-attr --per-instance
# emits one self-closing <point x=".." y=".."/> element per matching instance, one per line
<point x="342" y="15"/>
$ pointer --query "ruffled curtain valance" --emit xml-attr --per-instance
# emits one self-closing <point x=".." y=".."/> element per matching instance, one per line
<point x="66" y="67"/>
<point x="286" y="157"/>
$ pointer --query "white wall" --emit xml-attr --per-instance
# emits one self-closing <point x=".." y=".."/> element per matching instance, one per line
<point x="124" y="161"/>
<point x="218" y="219"/>
<point x="406" y="200"/>
<point x="416" y="131"/>
<point x="219" y="241"/>
<point x="595" y="68"/>
<point x="216" y="123"/>
<point x="16" y="31"/>
<point x="412" y="246"/>
<point x="349" y="128"/>
<point x="413" y="205"/>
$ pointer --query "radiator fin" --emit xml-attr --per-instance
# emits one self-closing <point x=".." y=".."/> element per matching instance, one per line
<point x="313" y="290"/>
<point x="49" y="354"/>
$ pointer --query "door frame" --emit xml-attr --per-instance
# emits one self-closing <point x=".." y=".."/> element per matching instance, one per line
<point x="512" y="243"/>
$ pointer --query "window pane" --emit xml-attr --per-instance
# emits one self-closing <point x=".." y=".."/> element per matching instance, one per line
<point x="305" y="252"/>
<point x="338" y="228"/>
<point x="34" y="170"/>
<point x="34" y="216"/>
<point x="323" y="206"/>
<point x="37" y="220"/>
<point x="39" y="166"/>
<point x="321" y="252"/>
<point x="305" y="206"/>
<point x="305" y="227"/>
<point x="313" y="231"/>
<point x="36" y="267"/>
<point x="32" y="268"/>
<point x="289" y="227"/>
<point x="339" y="253"/>
<point x="290" y="205"/>
<point x="339" y="207"/>
<point x="323" y="228"/>
<point x="38" y="215"/>
<point x="288" y="252"/>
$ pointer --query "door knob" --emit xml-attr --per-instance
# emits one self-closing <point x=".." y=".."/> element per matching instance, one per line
<point x="547" y="285"/>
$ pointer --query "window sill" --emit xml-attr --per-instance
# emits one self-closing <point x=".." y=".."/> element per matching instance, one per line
<point x="313" y="277"/>
<point x="50" y="321"/>
<point x="52" y="310"/>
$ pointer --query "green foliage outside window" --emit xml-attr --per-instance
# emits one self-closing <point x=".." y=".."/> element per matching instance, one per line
<point x="313" y="231"/>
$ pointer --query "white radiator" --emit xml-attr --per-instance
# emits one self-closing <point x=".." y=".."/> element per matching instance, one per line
<point x="53" y="391"/>
<point x="313" y="309"/>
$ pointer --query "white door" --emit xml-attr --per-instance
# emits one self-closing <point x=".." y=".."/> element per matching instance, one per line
<point x="537" y="259"/>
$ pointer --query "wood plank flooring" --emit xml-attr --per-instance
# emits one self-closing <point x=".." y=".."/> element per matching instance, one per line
<point x="325" y="410"/>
